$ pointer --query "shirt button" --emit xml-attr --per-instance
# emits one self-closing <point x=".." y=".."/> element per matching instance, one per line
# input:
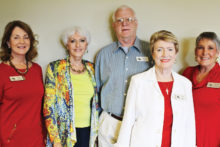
<point x="126" y="81"/>
<point x="125" y="94"/>
<point x="126" y="69"/>
<point x="126" y="57"/>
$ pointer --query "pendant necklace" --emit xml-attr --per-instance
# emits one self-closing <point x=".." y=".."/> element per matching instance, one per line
<point x="18" y="71"/>
<point x="169" y="87"/>
<point x="167" y="91"/>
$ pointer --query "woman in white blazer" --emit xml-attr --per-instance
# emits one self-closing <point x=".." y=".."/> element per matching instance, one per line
<point x="159" y="106"/>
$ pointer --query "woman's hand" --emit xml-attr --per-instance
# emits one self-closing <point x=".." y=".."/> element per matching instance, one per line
<point x="57" y="145"/>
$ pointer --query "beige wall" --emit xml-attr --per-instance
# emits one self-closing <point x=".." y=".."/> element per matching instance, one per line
<point x="48" y="18"/>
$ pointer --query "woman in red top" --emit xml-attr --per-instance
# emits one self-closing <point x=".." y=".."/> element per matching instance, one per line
<point x="205" y="78"/>
<point x="21" y="89"/>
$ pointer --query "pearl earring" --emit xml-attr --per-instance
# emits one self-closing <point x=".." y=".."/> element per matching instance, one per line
<point x="196" y="58"/>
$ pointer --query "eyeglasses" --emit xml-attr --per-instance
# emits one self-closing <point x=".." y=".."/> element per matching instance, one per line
<point x="128" y="20"/>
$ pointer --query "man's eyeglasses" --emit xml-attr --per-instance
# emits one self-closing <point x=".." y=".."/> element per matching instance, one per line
<point x="128" y="20"/>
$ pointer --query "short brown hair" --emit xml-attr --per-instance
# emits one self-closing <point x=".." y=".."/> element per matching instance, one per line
<point x="5" y="53"/>
<point x="164" y="36"/>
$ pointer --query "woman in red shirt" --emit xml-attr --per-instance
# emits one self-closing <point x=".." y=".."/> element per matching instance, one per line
<point x="21" y="89"/>
<point x="205" y="79"/>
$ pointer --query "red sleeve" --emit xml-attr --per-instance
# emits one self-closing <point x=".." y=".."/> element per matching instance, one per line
<point x="1" y="84"/>
<point x="39" y="69"/>
<point x="42" y="120"/>
<point x="41" y="74"/>
<point x="1" y="89"/>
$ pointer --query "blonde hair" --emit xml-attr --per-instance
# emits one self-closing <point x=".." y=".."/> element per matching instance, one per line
<point x="164" y="36"/>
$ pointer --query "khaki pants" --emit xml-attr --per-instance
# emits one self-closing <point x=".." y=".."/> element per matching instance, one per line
<point x="108" y="130"/>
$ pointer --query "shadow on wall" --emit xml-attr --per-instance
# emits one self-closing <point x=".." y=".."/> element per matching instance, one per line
<point x="110" y="27"/>
<point x="114" y="38"/>
<point x="188" y="52"/>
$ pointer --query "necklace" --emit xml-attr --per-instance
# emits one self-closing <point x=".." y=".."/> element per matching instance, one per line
<point x="77" y="71"/>
<point x="167" y="90"/>
<point x="166" y="87"/>
<point x="18" y="71"/>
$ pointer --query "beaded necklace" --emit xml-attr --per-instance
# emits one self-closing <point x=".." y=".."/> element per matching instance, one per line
<point x="77" y="71"/>
<point x="18" y="71"/>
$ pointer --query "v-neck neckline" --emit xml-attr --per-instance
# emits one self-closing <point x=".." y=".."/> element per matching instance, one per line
<point x="205" y="80"/>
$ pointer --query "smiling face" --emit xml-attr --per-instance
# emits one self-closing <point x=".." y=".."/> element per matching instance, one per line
<point x="19" y="42"/>
<point x="125" y="29"/>
<point x="77" y="45"/>
<point x="206" y="53"/>
<point x="164" y="54"/>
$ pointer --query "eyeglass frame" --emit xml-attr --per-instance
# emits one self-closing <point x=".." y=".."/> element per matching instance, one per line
<point x="128" y="20"/>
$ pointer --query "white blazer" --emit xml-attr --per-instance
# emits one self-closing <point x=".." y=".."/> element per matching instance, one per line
<point x="142" y="123"/>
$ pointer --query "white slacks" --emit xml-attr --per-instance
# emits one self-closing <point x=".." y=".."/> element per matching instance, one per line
<point x="108" y="130"/>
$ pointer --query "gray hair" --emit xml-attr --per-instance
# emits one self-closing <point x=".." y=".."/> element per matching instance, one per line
<point x="69" y="32"/>
<point x="209" y="35"/>
<point x="123" y="7"/>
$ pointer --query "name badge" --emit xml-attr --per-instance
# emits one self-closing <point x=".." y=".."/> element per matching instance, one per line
<point x="179" y="97"/>
<point x="142" y="59"/>
<point x="16" y="78"/>
<point x="213" y="85"/>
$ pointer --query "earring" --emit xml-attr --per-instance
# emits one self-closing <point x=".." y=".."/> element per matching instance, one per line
<point x="8" y="44"/>
<point x="196" y="58"/>
<point x="87" y="51"/>
<point x="218" y="59"/>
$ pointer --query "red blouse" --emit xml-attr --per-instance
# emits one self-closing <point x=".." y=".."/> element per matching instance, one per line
<point x="21" y="108"/>
<point x="166" y="89"/>
<point x="206" y="96"/>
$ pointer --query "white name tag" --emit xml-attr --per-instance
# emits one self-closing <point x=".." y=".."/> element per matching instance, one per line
<point x="142" y="59"/>
<point x="179" y="97"/>
<point x="16" y="78"/>
<point x="213" y="85"/>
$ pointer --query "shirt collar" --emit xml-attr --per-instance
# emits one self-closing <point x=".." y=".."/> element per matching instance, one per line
<point x="136" y="45"/>
<point x="207" y="79"/>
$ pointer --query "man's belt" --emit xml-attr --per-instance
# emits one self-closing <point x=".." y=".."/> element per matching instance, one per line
<point x="115" y="116"/>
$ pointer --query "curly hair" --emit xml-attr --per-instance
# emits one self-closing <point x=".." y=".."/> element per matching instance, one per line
<point x="5" y="52"/>
<point x="71" y="31"/>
